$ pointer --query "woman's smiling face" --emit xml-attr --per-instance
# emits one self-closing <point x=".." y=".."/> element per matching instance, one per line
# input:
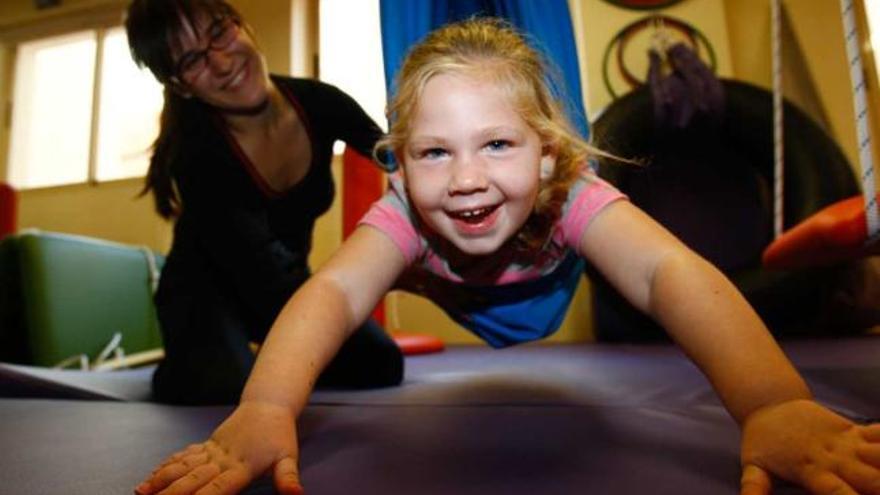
<point x="471" y="163"/>
<point x="231" y="74"/>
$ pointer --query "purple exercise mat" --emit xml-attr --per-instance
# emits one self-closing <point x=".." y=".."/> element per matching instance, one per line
<point x="622" y="419"/>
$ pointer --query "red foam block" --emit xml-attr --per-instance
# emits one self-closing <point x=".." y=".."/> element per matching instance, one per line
<point x="411" y="343"/>
<point x="832" y="235"/>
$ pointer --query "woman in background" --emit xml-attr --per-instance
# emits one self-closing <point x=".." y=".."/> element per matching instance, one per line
<point x="242" y="164"/>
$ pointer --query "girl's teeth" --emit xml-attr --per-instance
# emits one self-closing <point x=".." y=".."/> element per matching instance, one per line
<point x="473" y="213"/>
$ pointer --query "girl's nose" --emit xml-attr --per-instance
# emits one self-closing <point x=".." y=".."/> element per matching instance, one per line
<point x="468" y="176"/>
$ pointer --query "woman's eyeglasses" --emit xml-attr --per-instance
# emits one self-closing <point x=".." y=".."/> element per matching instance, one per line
<point x="221" y="34"/>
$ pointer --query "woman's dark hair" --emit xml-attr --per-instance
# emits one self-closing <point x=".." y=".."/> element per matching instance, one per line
<point x="153" y="28"/>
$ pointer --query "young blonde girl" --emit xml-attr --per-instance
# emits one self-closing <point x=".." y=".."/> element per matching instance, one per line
<point x="494" y="210"/>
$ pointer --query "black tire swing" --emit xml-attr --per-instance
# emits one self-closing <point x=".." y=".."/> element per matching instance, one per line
<point x="710" y="183"/>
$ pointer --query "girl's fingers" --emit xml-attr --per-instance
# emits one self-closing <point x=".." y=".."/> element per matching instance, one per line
<point x="228" y="482"/>
<point x="193" y="480"/>
<point x="871" y="433"/>
<point x="286" y="474"/>
<point x="755" y="481"/>
<point x="176" y="470"/>
<point x="869" y="454"/>
<point x="144" y="489"/>
<point x="190" y="450"/>
<point x="862" y="477"/>
<point x="827" y="483"/>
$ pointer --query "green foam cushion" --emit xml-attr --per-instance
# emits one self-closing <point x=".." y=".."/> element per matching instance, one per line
<point x="78" y="291"/>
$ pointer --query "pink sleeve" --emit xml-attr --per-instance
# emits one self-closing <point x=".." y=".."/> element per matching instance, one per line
<point x="595" y="195"/>
<point x="386" y="216"/>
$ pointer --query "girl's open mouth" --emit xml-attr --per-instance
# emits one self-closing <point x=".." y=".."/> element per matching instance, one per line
<point x="476" y="221"/>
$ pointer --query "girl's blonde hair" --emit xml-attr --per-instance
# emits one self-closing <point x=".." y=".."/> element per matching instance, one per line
<point x="491" y="49"/>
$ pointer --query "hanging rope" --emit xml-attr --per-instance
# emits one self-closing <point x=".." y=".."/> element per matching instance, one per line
<point x="863" y="132"/>
<point x="778" y="118"/>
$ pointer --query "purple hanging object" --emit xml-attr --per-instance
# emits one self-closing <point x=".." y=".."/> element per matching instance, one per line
<point x="688" y="90"/>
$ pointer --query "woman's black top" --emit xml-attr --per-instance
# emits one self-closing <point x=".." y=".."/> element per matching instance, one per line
<point x="240" y="250"/>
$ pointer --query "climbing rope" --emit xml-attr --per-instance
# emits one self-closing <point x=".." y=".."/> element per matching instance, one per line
<point x="778" y="118"/>
<point x="863" y="132"/>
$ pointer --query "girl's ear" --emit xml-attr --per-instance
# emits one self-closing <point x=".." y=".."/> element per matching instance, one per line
<point x="548" y="165"/>
<point x="398" y="159"/>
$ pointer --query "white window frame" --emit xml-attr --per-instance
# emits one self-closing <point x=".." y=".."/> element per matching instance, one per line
<point x="101" y="19"/>
<point x="350" y="45"/>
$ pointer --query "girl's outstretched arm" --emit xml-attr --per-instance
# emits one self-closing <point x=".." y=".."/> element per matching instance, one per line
<point x="260" y="435"/>
<point x="785" y="432"/>
<point x="696" y="304"/>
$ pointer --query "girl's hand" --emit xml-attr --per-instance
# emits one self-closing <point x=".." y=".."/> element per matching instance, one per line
<point x="257" y="437"/>
<point x="805" y="443"/>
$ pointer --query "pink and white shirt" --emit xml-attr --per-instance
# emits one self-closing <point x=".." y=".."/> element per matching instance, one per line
<point x="462" y="292"/>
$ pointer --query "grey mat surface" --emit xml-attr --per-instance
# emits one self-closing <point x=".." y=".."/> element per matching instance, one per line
<point x="535" y="419"/>
<point x="35" y="382"/>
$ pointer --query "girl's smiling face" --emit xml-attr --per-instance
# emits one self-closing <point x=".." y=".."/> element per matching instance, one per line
<point x="471" y="163"/>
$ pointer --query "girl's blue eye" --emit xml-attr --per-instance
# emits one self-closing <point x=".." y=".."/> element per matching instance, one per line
<point x="432" y="153"/>
<point x="498" y="145"/>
